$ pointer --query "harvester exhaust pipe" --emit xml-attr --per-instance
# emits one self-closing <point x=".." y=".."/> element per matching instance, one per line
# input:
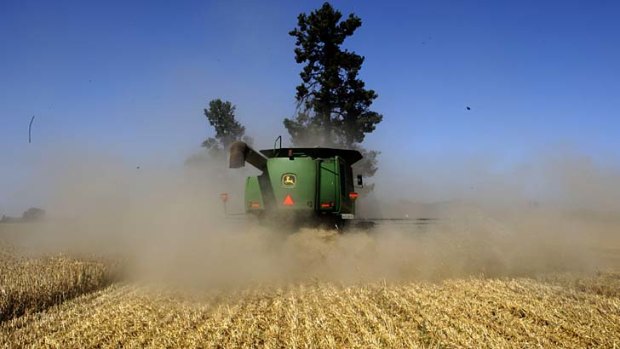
<point x="240" y="153"/>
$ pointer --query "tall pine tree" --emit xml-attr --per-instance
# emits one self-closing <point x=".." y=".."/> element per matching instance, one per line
<point x="333" y="103"/>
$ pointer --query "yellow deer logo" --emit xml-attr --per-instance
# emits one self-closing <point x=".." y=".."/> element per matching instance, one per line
<point x="288" y="180"/>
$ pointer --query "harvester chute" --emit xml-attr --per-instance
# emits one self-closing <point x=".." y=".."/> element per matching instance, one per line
<point x="240" y="153"/>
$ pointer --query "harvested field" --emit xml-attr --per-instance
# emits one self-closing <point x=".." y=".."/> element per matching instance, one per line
<point x="474" y="312"/>
<point x="441" y="288"/>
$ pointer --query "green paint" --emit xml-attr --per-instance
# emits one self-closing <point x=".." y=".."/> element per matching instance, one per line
<point x="310" y="176"/>
<point x="329" y="178"/>
<point x="303" y="192"/>
<point x="253" y="194"/>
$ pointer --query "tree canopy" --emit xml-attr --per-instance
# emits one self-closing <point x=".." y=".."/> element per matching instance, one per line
<point x="221" y="115"/>
<point x="333" y="103"/>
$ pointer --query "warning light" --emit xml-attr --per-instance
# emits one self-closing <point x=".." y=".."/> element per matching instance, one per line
<point x="353" y="195"/>
<point x="288" y="201"/>
<point x="254" y="204"/>
<point x="224" y="197"/>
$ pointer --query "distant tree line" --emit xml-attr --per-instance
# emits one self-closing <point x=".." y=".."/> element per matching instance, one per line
<point x="33" y="214"/>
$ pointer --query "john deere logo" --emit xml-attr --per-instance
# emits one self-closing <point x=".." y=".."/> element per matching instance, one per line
<point x="289" y="180"/>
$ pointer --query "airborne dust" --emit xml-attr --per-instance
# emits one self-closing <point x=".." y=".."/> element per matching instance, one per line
<point x="168" y="225"/>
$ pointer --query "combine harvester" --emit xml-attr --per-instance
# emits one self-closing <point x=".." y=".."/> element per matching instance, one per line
<point x="303" y="187"/>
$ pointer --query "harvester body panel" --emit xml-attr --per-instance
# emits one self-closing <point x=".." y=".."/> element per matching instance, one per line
<point x="329" y="193"/>
<point x="254" y="201"/>
<point x="293" y="182"/>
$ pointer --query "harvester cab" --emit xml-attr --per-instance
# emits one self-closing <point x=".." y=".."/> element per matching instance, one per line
<point x="299" y="186"/>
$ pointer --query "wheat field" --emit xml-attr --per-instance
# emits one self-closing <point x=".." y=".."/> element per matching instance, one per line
<point x="472" y="312"/>
<point x="31" y="282"/>
<point x="67" y="300"/>
<point x="30" y="285"/>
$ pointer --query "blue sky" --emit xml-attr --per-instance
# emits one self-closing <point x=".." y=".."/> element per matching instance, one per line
<point x="131" y="78"/>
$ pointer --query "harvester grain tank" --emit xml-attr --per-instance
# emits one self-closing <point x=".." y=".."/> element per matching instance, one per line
<point x="299" y="186"/>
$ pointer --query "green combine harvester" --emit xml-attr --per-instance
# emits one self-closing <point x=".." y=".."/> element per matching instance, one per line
<point x="299" y="186"/>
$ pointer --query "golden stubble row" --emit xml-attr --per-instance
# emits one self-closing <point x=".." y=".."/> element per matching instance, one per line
<point x="603" y="282"/>
<point x="31" y="284"/>
<point x="474" y="312"/>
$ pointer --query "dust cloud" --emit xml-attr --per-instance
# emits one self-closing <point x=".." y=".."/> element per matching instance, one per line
<point x="169" y="225"/>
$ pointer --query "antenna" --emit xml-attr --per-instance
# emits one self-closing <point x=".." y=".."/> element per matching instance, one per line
<point x="30" y="130"/>
<point x="274" y="145"/>
<point x="276" y="142"/>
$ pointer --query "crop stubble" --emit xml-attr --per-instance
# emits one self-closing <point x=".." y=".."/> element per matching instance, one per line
<point x="558" y="310"/>
<point x="474" y="312"/>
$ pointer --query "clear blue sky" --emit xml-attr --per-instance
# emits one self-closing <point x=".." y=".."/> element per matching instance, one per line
<point x="131" y="77"/>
